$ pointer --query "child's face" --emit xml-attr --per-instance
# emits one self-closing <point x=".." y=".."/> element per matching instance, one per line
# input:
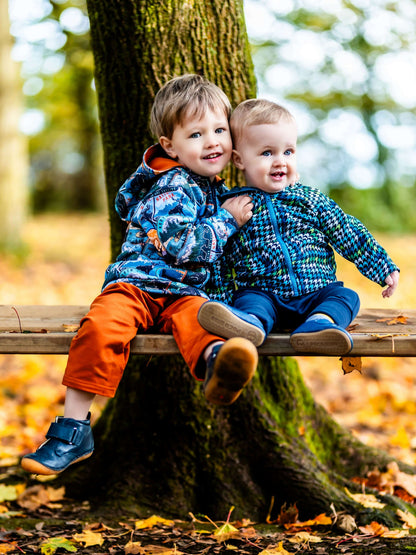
<point x="202" y="145"/>
<point x="267" y="155"/>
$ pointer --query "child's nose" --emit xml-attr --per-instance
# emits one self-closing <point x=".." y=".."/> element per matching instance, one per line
<point x="278" y="160"/>
<point x="212" y="139"/>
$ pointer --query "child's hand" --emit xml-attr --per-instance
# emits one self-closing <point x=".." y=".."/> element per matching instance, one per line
<point x="391" y="281"/>
<point x="240" y="207"/>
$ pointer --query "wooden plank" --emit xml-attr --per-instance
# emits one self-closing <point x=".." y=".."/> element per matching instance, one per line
<point x="49" y="330"/>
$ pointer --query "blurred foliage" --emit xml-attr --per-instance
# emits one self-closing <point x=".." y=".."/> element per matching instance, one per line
<point x="325" y="62"/>
<point x="346" y="70"/>
<point x="65" y="156"/>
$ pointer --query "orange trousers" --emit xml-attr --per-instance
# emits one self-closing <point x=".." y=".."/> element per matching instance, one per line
<point x="101" y="348"/>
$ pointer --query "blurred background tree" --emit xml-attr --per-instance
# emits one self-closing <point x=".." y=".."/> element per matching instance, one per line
<point x="52" y="43"/>
<point x="13" y="146"/>
<point x="346" y="69"/>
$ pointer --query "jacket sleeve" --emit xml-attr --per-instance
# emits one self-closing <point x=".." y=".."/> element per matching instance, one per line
<point x="352" y="240"/>
<point x="187" y="231"/>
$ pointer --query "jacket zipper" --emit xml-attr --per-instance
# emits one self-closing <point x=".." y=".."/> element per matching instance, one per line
<point x="279" y="238"/>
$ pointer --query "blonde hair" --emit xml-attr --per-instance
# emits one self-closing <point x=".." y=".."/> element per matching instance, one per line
<point x="256" y="111"/>
<point x="187" y="95"/>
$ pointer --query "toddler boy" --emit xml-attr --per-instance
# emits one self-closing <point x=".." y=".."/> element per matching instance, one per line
<point x="279" y="270"/>
<point x="176" y="226"/>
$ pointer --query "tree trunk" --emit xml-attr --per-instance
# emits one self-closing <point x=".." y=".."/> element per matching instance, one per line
<point x="138" y="45"/>
<point x="13" y="146"/>
<point x="160" y="447"/>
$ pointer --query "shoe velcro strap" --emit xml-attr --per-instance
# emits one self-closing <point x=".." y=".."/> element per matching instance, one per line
<point x="67" y="434"/>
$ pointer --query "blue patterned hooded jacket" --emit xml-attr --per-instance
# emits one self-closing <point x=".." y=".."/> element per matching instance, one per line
<point x="287" y="246"/>
<point x="175" y="227"/>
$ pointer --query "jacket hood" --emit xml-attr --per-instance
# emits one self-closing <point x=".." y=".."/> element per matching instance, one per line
<point x="155" y="162"/>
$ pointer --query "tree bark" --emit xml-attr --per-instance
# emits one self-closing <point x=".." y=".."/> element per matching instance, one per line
<point x="160" y="447"/>
<point x="138" y="45"/>
<point x="14" y="161"/>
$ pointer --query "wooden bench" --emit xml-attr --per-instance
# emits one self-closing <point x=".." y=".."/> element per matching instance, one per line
<point x="42" y="329"/>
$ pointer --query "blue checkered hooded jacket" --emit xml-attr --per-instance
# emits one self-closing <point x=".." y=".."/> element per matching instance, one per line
<point x="287" y="246"/>
<point x="175" y="228"/>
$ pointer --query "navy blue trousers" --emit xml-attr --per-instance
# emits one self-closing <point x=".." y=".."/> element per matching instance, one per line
<point x="334" y="300"/>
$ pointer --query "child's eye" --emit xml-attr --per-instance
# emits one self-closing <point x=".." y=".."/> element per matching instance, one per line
<point x="288" y="152"/>
<point x="220" y="130"/>
<point x="195" y="135"/>
<point x="266" y="153"/>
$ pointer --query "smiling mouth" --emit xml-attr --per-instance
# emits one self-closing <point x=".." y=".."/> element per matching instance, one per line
<point x="212" y="156"/>
<point x="278" y="174"/>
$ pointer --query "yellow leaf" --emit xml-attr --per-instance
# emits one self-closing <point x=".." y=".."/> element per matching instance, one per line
<point x="393" y="321"/>
<point x="275" y="550"/>
<point x="7" y="493"/>
<point x="225" y="532"/>
<point x="304" y="537"/>
<point x="401" y="439"/>
<point x="56" y="494"/>
<point x="394" y="534"/>
<point x="152" y="521"/>
<point x="320" y="520"/>
<point x="70" y="327"/>
<point x="9" y="548"/>
<point x="407" y="518"/>
<point x="88" y="538"/>
<point x="367" y="500"/>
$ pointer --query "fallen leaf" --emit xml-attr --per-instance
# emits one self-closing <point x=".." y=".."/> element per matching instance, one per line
<point x="349" y="364"/>
<point x="275" y="550"/>
<point x="51" y="545"/>
<point x="346" y="523"/>
<point x="395" y="534"/>
<point x="288" y="514"/>
<point x="34" y="497"/>
<point x="367" y="500"/>
<point x="70" y="327"/>
<point x="87" y="537"/>
<point x="7" y="493"/>
<point x="155" y="550"/>
<point x="374" y="529"/>
<point x="152" y="521"/>
<point x="407" y="518"/>
<point x="320" y="520"/>
<point x="401" y="479"/>
<point x="225" y="532"/>
<point x="132" y="548"/>
<point x="9" y="548"/>
<point x="393" y="321"/>
<point x="304" y="537"/>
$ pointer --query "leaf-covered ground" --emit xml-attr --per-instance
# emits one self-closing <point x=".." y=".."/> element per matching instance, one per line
<point x="64" y="263"/>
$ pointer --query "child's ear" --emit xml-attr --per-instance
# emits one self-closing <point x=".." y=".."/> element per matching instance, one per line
<point x="237" y="160"/>
<point x="167" y="146"/>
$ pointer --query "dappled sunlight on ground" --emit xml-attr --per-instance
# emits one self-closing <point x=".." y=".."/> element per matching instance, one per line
<point x="65" y="264"/>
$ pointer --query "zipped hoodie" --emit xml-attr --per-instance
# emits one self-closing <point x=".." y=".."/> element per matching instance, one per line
<point x="287" y="246"/>
<point x="175" y="227"/>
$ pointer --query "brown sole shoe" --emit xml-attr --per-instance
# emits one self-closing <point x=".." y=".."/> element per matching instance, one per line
<point x="35" y="467"/>
<point x="326" y="342"/>
<point x="229" y="322"/>
<point x="230" y="371"/>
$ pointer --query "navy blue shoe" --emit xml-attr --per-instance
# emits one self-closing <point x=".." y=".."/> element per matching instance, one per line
<point x="322" y="337"/>
<point x="230" y="367"/>
<point x="227" y="321"/>
<point x="68" y="441"/>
